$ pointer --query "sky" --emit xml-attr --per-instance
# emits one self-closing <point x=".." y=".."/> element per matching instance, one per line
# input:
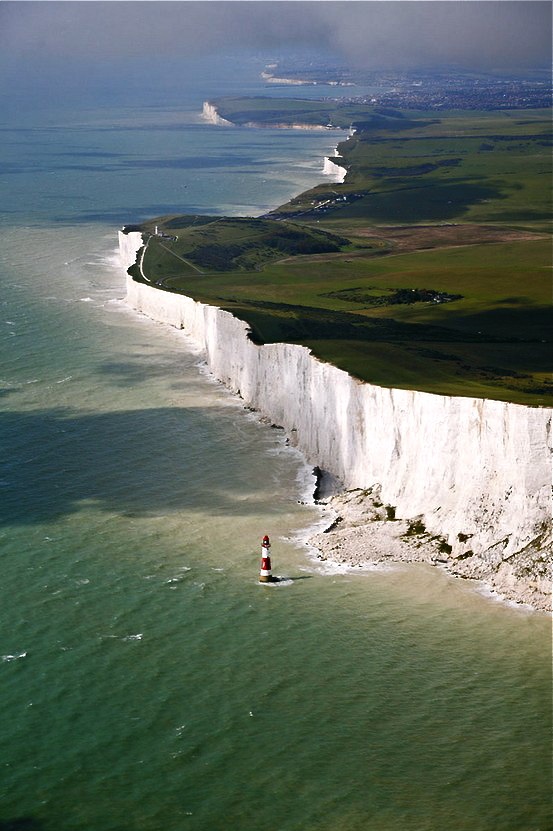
<point x="379" y="34"/>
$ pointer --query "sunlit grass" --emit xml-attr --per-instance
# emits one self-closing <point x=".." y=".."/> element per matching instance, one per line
<point x="431" y="203"/>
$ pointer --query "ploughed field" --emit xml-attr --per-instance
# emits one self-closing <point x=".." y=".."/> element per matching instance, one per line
<point x="428" y="268"/>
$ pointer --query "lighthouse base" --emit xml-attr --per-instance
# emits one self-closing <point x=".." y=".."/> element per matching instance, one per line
<point x="267" y="578"/>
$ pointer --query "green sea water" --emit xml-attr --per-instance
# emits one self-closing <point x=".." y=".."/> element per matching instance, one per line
<point x="148" y="682"/>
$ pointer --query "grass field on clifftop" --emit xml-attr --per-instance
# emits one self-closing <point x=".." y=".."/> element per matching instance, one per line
<point x="429" y="268"/>
<point x="485" y="168"/>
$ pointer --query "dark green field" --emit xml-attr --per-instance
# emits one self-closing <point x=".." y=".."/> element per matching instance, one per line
<point x="484" y="167"/>
<point x="429" y="268"/>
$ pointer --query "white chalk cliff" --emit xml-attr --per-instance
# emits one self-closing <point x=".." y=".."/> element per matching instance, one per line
<point x="477" y="472"/>
<point x="330" y="168"/>
<point x="210" y="114"/>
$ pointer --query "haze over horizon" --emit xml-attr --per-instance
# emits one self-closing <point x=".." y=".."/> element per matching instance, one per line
<point x="477" y="35"/>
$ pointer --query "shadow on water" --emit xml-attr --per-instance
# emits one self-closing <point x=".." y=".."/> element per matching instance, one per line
<point x="125" y="374"/>
<point x="281" y="580"/>
<point x="144" y="462"/>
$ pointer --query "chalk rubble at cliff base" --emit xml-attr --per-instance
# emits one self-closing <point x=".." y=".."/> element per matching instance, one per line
<point x="474" y="474"/>
<point x="364" y="532"/>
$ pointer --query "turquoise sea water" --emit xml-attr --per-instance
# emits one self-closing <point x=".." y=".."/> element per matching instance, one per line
<point x="147" y="680"/>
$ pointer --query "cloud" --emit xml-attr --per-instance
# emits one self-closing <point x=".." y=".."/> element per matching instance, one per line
<point x="371" y="33"/>
<point x="480" y="34"/>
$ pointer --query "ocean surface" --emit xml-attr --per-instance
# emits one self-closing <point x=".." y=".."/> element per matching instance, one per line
<point x="148" y="682"/>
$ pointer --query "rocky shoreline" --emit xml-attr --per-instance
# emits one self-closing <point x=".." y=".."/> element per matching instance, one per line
<point x="365" y="532"/>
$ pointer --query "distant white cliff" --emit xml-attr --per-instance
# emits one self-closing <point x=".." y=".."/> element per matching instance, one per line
<point x="210" y="114"/>
<point x="476" y="472"/>
<point x="330" y="168"/>
<point x="269" y="78"/>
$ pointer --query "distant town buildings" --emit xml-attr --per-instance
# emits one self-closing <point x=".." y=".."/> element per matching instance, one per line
<point x="430" y="90"/>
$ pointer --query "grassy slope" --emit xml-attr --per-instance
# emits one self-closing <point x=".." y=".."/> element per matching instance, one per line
<point x="468" y="180"/>
<point x="483" y="167"/>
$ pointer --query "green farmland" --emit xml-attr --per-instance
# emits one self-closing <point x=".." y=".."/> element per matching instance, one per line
<point x="428" y="268"/>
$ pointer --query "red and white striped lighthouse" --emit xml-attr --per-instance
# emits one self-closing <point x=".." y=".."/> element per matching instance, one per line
<point x="265" y="575"/>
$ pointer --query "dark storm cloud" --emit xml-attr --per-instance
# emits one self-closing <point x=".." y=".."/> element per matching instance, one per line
<point x="471" y="33"/>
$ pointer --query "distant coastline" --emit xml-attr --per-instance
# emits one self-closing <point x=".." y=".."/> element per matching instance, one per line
<point x="211" y="114"/>
<point x="456" y="482"/>
<point x="268" y="75"/>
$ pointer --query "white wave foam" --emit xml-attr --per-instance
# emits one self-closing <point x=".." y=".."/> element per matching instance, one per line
<point x="15" y="657"/>
<point x="112" y="260"/>
<point x="333" y="568"/>
<point x="486" y="591"/>
<point x="278" y="581"/>
<point x="178" y="578"/>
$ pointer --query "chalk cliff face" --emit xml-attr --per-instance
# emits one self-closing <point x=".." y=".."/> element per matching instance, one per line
<point x="478" y="472"/>
<point x="330" y="168"/>
<point x="130" y="243"/>
<point x="210" y="114"/>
